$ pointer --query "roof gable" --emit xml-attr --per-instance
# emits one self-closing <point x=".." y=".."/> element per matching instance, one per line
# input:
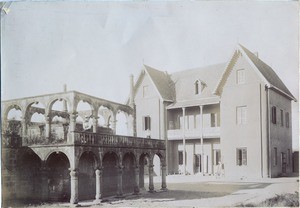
<point x="162" y="83"/>
<point x="266" y="73"/>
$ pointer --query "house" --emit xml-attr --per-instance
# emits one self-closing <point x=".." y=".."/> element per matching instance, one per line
<point x="231" y="119"/>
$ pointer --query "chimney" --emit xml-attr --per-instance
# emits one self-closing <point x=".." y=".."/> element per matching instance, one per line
<point x="131" y="98"/>
<point x="64" y="101"/>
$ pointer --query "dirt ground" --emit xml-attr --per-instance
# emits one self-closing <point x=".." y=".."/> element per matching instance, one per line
<point x="193" y="191"/>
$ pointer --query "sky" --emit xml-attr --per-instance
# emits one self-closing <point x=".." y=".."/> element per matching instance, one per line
<point x="93" y="47"/>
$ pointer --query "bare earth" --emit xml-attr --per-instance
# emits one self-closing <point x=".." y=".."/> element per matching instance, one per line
<point x="197" y="191"/>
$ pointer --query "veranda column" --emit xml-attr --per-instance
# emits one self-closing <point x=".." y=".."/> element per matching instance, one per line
<point x="74" y="186"/>
<point x="137" y="180"/>
<point x="183" y="138"/>
<point x="120" y="181"/>
<point x="114" y="123"/>
<point x="163" y="177"/>
<point x="24" y="127"/>
<point x="95" y="124"/>
<point x="48" y="126"/>
<point x="201" y="139"/>
<point x="98" y="196"/>
<point x="72" y="126"/>
<point x="151" y="185"/>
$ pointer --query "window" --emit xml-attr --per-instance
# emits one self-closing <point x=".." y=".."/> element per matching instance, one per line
<point x="241" y="156"/>
<point x="197" y="160"/>
<point x="218" y="157"/>
<point x="289" y="156"/>
<point x="145" y="91"/>
<point x="275" y="156"/>
<point x="213" y="120"/>
<point x="197" y="87"/>
<point x="274" y="115"/>
<point x="287" y="120"/>
<point x="241" y="115"/>
<point x="240" y="76"/>
<point x="281" y="117"/>
<point x="180" y="157"/>
<point x="147" y="123"/>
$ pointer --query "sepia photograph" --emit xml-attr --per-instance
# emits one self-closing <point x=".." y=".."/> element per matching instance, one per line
<point x="149" y="103"/>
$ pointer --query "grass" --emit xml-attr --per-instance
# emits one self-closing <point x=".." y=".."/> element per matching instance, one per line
<point x="282" y="200"/>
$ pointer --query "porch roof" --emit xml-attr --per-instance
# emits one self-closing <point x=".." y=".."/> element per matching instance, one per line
<point x="190" y="103"/>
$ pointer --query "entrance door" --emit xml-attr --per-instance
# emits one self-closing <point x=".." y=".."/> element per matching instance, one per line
<point x="283" y="162"/>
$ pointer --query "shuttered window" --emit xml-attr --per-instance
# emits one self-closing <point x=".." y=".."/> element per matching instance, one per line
<point x="287" y="120"/>
<point x="274" y="115"/>
<point x="180" y="157"/>
<point x="241" y="156"/>
<point x="147" y="123"/>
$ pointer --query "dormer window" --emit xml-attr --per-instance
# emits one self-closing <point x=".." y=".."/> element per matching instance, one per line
<point x="199" y="86"/>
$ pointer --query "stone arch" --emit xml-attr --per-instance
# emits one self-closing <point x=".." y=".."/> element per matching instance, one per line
<point x="10" y="107"/>
<point x="87" y="165"/>
<point x="29" y="104"/>
<point x="58" y="165"/>
<point x="110" y="163"/>
<point x="144" y="162"/>
<point x="28" y="174"/>
<point x="58" y="98"/>
<point x="129" y="164"/>
<point x="13" y="125"/>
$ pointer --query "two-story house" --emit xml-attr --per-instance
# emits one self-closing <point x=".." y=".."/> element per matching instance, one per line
<point x="231" y="119"/>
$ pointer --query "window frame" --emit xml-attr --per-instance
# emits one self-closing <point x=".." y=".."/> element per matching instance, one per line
<point x="180" y="157"/>
<point x="145" y="91"/>
<point x="146" y="120"/>
<point x="287" y="119"/>
<point x="274" y="115"/>
<point x="241" y="156"/>
<point x="275" y="156"/>
<point x="241" y="115"/>
<point x="240" y="76"/>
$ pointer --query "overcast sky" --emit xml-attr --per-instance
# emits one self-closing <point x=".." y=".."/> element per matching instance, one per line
<point x="94" y="47"/>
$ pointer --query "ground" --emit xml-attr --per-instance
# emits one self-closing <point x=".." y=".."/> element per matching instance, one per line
<point x="197" y="191"/>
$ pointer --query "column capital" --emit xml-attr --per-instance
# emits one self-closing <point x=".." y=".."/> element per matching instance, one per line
<point x="73" y="172"/>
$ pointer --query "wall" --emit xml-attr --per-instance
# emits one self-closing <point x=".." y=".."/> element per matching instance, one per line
<point x="247" y="135"/>
<point x="281" y="136"/>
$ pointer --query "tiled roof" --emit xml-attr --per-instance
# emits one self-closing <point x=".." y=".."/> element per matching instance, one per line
<point x="184" y="81"/>
<point x="162" y="82"/>
<point x="267" y="72"/>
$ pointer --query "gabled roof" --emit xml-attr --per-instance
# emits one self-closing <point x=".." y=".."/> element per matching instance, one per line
<point x="265" y="71"/>
<point x="184" y="82"/>
<point x="162" y="82"/>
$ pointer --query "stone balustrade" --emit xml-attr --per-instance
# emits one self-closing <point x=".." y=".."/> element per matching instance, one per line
<point x="96" y="139"/>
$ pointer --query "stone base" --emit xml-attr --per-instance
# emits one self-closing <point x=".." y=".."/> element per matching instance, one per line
<point x="164" y="189"/>
<point x="75" y="205"/>
<point x="151" y="191"/>
<point x="120" y="196"/>
<point x="97" y="201"/>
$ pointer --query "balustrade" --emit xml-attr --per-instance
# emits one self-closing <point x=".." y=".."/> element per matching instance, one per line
<point x="96" y="139"/>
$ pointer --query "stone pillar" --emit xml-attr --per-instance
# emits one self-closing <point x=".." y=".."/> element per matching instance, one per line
<point x="98" y="196"/>
<point x="114" y="122"/>
<point x="163" y="177"/>
<point x="74" y="186"/>
<point x="183" y="137"/>
<point x="120" y="181"/>
<point x="45" y="185"/>
<point x="151" y="185"/>
<point x="137" y="180"/>
<point x="201" y="139"/>
<point x="95" y="124"/>
<point x="24" y="127"/>
<point x="72" y="125"/>
<point x="48" y="126"/>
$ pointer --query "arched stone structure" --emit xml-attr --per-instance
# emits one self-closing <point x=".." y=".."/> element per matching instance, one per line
<point x="58" y="166"/>
<point x="106" y="163"/>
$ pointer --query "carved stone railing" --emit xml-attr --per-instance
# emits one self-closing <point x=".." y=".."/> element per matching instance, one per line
<point x="96" y="139"/>
<point x="109" y="140"/>
<point x="41" y="140"/>
<point x="208" y="132"/>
